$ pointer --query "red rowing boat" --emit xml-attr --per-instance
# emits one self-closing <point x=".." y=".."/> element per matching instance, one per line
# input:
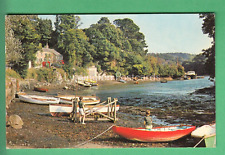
<point x="40" y="89"/>
<point x="157" y="134"/>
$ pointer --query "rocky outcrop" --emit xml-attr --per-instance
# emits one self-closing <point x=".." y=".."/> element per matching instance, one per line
<point x="12" y="85"/>
<point x="15" y="121"/>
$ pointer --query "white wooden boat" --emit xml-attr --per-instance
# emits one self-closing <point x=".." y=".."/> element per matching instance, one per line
<point x="123" y="81"/>
<point x="67" y="99"/>
<point x="208" y="133"/>
<point x="84" y="84"/>
<point x="91" y="82"/>
<point x="38" y="99"/>
<point x="66" y="109"/>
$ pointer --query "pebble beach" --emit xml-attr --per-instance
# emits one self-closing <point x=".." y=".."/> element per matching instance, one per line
<point x="41" y="130"/>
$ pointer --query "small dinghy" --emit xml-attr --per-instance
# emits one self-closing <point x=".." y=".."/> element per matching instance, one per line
<point x="40" y="89"/>
<point x="66" y="109"/>
<point x="157" y="134"/>
<point x="67" y="99"/>
<point x="208" y="133"/>
<point x="38" y="99"/>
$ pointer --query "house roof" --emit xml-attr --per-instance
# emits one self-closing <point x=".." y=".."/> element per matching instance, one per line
<point x="51" y="50"/>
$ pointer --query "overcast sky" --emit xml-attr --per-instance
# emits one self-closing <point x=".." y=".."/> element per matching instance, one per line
<point x="164" y="33"/>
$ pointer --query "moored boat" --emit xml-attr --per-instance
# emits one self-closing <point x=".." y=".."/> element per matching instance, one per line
<point x="156" y="134"/>
<point x="66" y="109"/>
<point x="20" y="93"/>
<point x="206" y="132"/>
<point x="84" y="84"/>
<point x="38" y="99"/>
<point x="40" y="89"/>
<point x="163" y="81"/>
<point x="122" y="81"/>
<point x="67" y="99"/>
<point x="91" y="82"/>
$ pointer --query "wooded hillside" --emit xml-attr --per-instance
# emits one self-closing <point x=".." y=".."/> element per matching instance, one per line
<point x="116" y="46"/>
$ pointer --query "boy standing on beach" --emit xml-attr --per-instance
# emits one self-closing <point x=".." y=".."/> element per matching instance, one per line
<point x="148" y="120"/>
<point x="81" y="110"/>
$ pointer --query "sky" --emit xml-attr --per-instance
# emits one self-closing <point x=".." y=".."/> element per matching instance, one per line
<point x="164" y="33"/>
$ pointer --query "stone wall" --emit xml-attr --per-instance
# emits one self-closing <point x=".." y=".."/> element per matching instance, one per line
<point x="11" y="86"/>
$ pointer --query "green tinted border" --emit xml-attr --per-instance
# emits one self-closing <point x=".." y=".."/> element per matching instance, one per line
<point x="121" y="6"/>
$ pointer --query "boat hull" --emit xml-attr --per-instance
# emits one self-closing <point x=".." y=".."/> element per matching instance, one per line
<point x="67" y="99"/>
<point x="63" y="109"/>
<point x="208" y="132"/>
<point x="38" y="99"/>
<point x="83" y="84"/>
<point x="40" y="89"/>
<point x="157" y="134"/>
<point x="205" y="130"/>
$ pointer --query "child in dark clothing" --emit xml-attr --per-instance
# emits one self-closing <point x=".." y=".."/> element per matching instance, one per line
<point x="148" y="120"/>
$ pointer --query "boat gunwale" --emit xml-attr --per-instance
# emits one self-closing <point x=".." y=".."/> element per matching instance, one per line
<point x="146" y="130"/>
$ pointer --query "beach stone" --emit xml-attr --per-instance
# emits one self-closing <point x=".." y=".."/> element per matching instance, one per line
<point x="15" y="121"/>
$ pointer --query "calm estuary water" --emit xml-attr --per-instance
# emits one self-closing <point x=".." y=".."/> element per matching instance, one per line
<point x="174" y="96"/>
<point x="154" y="93"/>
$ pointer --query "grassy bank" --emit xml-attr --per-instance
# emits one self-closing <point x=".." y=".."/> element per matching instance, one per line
<point x="41" y="74"/>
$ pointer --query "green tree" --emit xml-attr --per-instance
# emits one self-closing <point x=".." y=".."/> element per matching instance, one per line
<point x="44" y="27"/>
<point x="118" y="48"/>
<point x="73" y="43"/>
<point x="66" y="22"/>
<point x="208" y="27"/>
<point x="172" y="72"/>
<point x="180" y="71"/>
<point x="104" y="20"/>
<point x="104" y="37"/>
<point x="24" y="28"/>
<point x="13" y="46"/>
<point x="197" y="64"/>
<point x="132" y="34"/>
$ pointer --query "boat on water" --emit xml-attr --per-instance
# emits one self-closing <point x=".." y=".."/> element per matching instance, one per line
<point x="40" y="89"/>
<point x="66" y="109"/>
<point x="156" y="134"/>
<point x="91" y="82"/>
<point x="208" y="133"/>
<point x="38" y="99"/>
<point x="163" y="81"/>
<point x="67" y="99"/>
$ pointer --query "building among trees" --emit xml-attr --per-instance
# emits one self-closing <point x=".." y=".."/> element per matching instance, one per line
<point x="92" y="71"/>
<point x="47" y="56"/>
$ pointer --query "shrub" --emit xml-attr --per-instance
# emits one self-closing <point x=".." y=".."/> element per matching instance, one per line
<point x="61" y="71"/>
<point x="12" y="73"/>
<point x="45" y="74"/>
<point x="31" y="74"/>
